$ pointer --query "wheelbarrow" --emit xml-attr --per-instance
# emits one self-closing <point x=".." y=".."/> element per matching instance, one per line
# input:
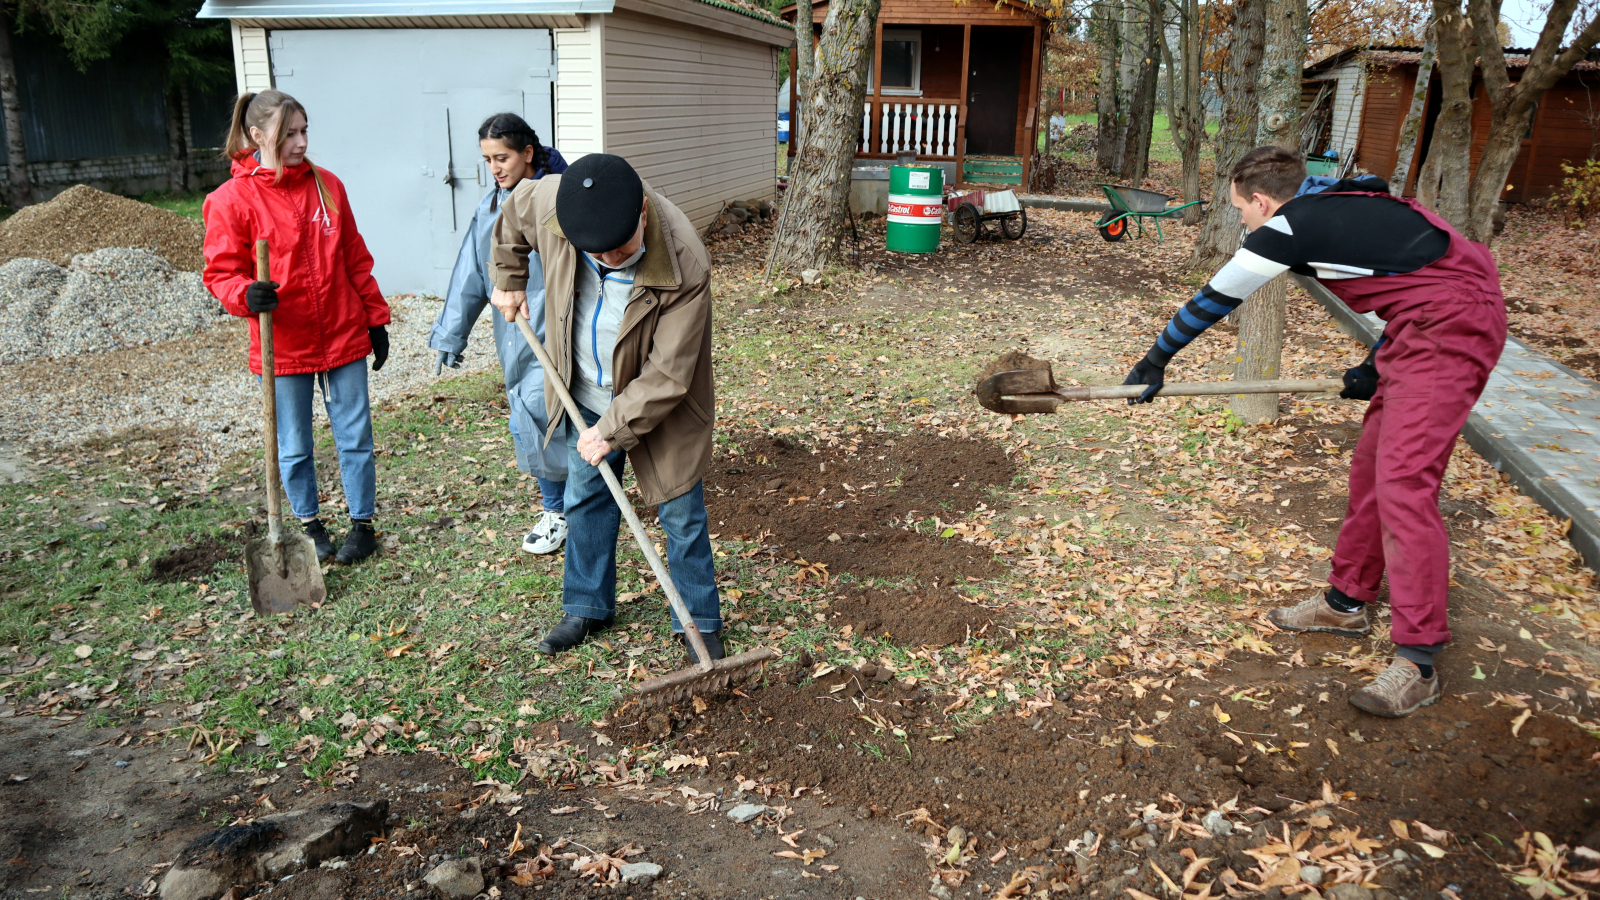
<point x="1135" y="205"/>
<point x="969" y="211"/>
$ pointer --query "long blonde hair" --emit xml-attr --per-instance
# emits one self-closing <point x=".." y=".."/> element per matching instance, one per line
<point x="269" y="111"/>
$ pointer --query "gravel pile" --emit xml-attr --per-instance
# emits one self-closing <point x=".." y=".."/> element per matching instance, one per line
<point x="198" y="390"/>
<point x="104" y="300"/>
<point x="82" y="220"/>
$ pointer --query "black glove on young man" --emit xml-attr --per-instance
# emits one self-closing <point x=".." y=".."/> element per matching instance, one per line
<point x="446" y="358"/>
<point x="1361" y="382"/>
<point x="261" y="296"/>
<point x="1146" y="372"/>
<point x="380" y="346"/>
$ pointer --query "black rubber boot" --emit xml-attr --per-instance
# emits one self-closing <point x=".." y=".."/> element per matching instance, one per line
<point x="318" y="533"/>
<point x="713" y="645"/>
<point x="360" y="543"/>
<point x="570" y="632"/>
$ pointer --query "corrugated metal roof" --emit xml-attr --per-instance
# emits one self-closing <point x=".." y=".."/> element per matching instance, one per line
<point x="746" y="9"/>
<point x="1516" y="58"/>
<point x="397" y="9"/>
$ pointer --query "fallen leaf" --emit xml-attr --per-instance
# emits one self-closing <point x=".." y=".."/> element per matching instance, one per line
<point x="1430" y="849"/>
<point x="1144" y="741"/>
<point x="1399" y="829"/>
<point x="806" y="857"/>
<point x="699" y="705"/>
<point x="83" y="651"/>
<point x="1519" y="721"/>
<point x="1332" y="746"/>
<point x="563" y="810"/>
<point x="682" y="760"/>
<point x="1222" y="717"/>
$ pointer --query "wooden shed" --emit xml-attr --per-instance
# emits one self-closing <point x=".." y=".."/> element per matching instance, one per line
<point x="685" y="89"/>
<point x="953" y="84"/>
<point x="1369" y="90"/>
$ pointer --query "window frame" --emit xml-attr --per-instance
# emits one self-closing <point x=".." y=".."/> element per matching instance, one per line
<point x="912" y="36"/>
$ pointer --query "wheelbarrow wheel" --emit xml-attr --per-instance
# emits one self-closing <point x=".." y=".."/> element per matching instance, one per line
<point x="965" y="223"/>
<point x="1112" y="231"/>
<point x="1015" y="226"/>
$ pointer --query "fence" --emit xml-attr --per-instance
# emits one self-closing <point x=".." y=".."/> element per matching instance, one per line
<point x="927" y="128"/>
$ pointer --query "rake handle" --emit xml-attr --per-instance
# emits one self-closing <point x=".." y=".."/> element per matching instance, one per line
<point x="1197" y="389"/>
<point x="269" y="402"/>
<point x="691" y="631"/>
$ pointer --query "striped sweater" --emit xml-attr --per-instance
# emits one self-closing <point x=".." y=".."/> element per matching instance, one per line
<point x="1327" y="236"/>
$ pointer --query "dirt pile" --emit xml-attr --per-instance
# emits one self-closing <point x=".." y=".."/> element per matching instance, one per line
<point x="82" y="220"/>
<point x="104" y="300"/>
<point x="848" y="510"/>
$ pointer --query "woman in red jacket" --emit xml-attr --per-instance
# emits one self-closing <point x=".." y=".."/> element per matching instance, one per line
<point x="328" y="313"/>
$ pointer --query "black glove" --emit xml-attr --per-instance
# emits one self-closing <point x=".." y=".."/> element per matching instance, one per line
<point x="380" y="346"/>
<point x="261" y="296"/>
<point x="1146" y="372"/>
<point x="446" y="358"/>
<point x="1361" y="382"/>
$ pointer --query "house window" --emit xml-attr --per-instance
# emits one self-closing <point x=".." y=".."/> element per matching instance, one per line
<point x="902" y="62"/>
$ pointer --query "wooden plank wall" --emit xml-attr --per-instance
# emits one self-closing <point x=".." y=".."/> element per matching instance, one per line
<point x="580" y="89"/>
<point x="695" y="111"/>
<point x="1567" y="129"/>
<point x="1387" y="99"/>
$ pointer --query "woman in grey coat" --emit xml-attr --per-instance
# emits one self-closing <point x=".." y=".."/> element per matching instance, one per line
<point x="513" y="153"/>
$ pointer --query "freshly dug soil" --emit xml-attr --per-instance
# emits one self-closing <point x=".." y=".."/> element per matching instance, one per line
<point x="780" y="492"/>
<point x="931" y="617"/>
<point x="82" y="219"/>
<point x="1031" y="784"/>
<point x="195" y="560"/>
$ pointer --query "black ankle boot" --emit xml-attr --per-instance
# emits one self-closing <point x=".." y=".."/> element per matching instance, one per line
<point x="360" y="543"/>
<point x="570" y="632"/>
<point x="318" y="533"/>
<point x="713" y="641"/>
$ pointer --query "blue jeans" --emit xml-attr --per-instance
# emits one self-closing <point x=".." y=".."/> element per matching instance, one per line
<point x="593" y="519"/>
<point x="344" y="394"/>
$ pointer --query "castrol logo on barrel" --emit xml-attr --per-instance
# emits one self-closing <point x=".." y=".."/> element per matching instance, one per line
<point x="911" y="210"/>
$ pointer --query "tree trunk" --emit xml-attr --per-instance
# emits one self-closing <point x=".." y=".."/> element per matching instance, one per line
<point x="1186" y="114"/>
<point x="1142" y="111"/>
<point x="803" y="58"/>
<point x="21" y="193"/>
<point x="1411" y="128"/>
<point x="177" y="143"/>
<point x="809" y="233"/>
<point x="1447" y="169"/>
<point x="1236" y="134"/>
<point x="1262" y="316"/>
<point x="1512" y="105"/>
<point x="1105" y="35"/>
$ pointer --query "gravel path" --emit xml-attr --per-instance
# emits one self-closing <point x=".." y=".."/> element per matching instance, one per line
<point x="195" y="392"/>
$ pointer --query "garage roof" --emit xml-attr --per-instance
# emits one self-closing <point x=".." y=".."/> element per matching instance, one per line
<point x="297" y="10"/>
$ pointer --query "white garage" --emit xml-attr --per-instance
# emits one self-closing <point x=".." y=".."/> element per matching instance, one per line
<point x="685" y="89"/>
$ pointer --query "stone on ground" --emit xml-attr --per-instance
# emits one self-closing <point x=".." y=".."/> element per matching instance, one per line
<point x="457" y="879"/>
<point x="271" y="848"/>
<point x="640" y="873"/>
<point x="744" y="812"/>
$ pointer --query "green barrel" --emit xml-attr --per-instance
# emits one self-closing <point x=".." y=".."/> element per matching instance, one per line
<point x="916" y="206"/>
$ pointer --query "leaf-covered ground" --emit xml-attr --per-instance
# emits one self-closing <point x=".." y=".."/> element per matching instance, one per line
<point x="1036" y="646"/>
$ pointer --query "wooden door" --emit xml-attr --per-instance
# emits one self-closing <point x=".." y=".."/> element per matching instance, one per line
<point x="994" y="78"/>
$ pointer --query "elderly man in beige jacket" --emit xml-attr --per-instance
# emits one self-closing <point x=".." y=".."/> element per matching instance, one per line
<point x="628" y="324"/>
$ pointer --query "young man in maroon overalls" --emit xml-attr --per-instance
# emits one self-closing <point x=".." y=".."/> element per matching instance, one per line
<point x="1440" y="295"/>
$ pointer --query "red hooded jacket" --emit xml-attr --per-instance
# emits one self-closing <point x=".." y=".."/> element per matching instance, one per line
<point x="327" y="297"/>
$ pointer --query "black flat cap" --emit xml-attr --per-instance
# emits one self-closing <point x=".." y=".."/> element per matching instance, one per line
<point x="599" y="202"/>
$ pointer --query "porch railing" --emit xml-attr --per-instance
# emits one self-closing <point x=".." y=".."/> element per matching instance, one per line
<point x="923" y="127"/>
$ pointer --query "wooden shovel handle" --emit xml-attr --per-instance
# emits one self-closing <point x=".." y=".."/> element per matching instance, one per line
<point x="1203" y="388"/>
<point x="269" y="401"/>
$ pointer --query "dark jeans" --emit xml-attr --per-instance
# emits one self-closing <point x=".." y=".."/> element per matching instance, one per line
<point x="593" y="519"/>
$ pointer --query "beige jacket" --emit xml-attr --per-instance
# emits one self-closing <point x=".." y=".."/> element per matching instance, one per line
<point x="664" y="402"/>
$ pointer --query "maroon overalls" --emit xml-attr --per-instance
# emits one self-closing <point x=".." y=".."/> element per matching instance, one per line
<point x="1446" y="329"/>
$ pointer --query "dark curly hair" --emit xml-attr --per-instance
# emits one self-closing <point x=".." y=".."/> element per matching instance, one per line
<point x="510" y="129"/>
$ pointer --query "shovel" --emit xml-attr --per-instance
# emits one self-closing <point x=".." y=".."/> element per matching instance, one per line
<point x="283" y="568"/>
<point x="706" y="676"/>
<point x="1034" y="389"/>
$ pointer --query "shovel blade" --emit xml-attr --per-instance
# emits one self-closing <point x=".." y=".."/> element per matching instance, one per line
<point x="284" y="573"/>
<point x="1018" y="391"/>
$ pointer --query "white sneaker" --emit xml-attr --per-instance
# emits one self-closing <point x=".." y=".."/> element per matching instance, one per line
<point x="548" y="534"/>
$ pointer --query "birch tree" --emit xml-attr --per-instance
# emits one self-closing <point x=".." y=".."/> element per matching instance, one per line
<point x="1411" y="127"/>
<point x="1446" y="174"/>
<point x="1186" y="112"/>
<point x="20" y="191"/>
<point x="1261" y="317"/>
<point x="1236" y="132"/>
<point x="810" y="230"/>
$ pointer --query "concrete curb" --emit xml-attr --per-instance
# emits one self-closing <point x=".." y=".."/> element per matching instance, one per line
<point x="1547" y="488"/>
<point x="1039" y="201"/>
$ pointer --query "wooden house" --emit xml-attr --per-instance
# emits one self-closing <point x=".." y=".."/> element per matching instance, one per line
<point x="955" y="85"/>
<point x="1356" y="101"/>
<point x="685" y="89"/>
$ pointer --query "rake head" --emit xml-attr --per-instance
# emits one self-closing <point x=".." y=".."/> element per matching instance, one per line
<point x="676" y="687"/>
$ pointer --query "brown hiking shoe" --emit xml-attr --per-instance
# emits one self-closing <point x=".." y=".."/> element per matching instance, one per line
<point x="1316" y="615"/>
<point x="1399" y="691"/>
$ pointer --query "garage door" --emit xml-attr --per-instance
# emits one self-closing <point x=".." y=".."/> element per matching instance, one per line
<point x="395" y="114"/>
